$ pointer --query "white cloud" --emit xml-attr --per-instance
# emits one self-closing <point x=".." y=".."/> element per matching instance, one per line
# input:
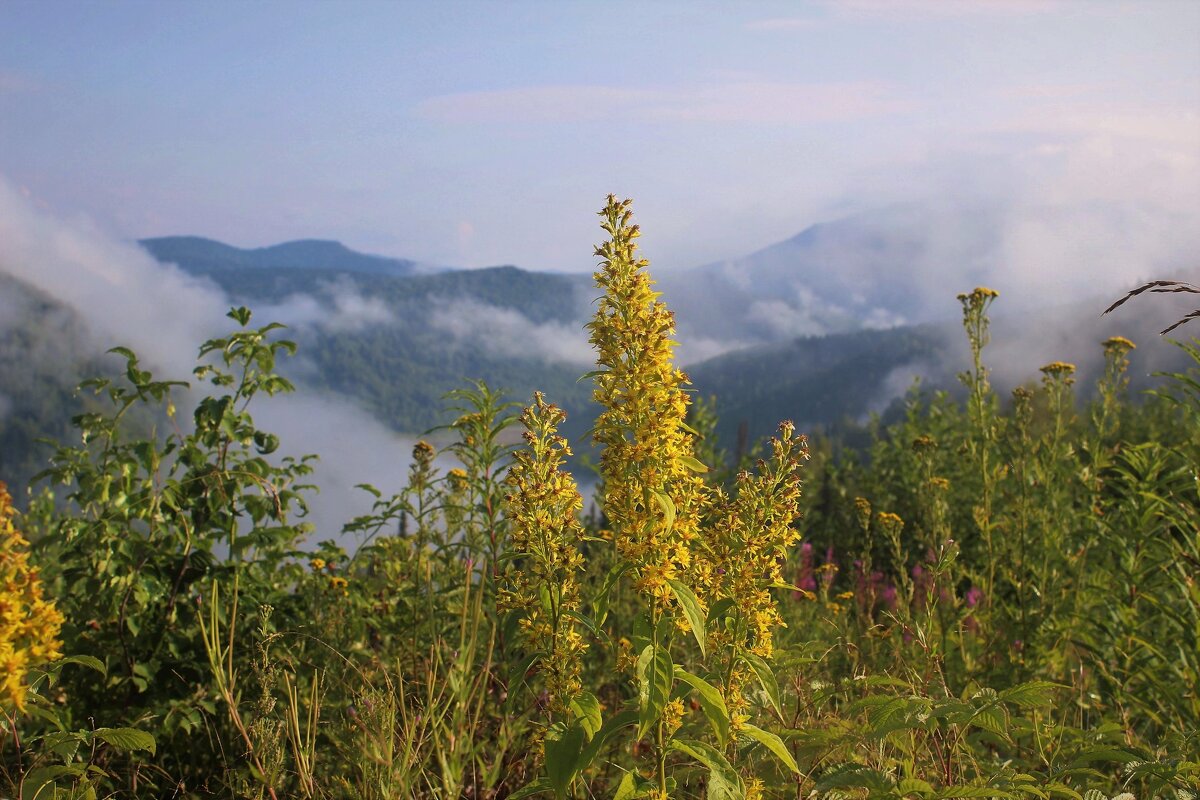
<point x="506" y="332"/>
<point x="126" y="297"/>
<point x="339" y="306"/>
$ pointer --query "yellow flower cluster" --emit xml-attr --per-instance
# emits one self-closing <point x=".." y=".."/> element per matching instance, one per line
<point x="543" y="504"/>
<point x="29" y="624"/>
<point x="1118" y="346"/>
<point x="749" y="542"/>
<point x="1058" y="370"/>
<point x="652" y="495"/>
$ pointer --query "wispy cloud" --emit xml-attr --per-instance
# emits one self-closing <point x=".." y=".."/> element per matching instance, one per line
<point x="744" y="101"/>
<point x="505" y="332"/>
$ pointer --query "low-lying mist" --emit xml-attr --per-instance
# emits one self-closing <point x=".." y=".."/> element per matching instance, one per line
<point x="124" y="297"/>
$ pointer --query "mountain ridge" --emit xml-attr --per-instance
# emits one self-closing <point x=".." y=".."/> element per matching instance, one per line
<point x="201" y="254"/>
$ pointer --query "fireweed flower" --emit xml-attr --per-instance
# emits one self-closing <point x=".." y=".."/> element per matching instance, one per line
<point x="652" y="494"/>
<point x="29" y="624"/>
<point x="543" y="505"/>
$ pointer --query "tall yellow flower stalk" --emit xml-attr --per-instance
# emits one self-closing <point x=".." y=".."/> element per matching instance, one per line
<point x="653" y="498"/>
<point x="749" y="543"/>
<point x="543" y="505"/>
<point x="29" y="624"/>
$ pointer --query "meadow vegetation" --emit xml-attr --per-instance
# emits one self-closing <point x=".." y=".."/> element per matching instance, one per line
<point x="997" y="598"/>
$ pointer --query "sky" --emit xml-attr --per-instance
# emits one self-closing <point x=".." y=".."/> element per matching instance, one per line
<point x="472" y="134"/>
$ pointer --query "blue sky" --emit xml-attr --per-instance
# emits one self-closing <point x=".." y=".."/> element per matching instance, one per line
<point x="482" y="133"/>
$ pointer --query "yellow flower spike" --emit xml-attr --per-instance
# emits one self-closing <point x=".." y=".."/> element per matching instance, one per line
<point x="29" y="624"/>
<point x="542" y="509"/>
<point x="653" y="498"/>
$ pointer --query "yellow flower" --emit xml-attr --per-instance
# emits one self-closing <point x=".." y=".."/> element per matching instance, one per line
<point x="1118" y="345"/>
<point x="29" y="624"/>
<point x="339" y="584"/>
<point x="979" y="295"/>
<point x="1057" y="369"/>
<point x="653" y="496"/>
<point x="542" y="507"/>
<point x="317" y="564"/>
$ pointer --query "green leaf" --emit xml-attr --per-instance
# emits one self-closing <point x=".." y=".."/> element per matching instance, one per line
<point x="773" y="743"/>
<point x="692" y="610"/>
<point x="766" y="677"/>
<point x="127" y="739"/>
<point x="516" y="676"/>
<point x="1034" y="694"/>
<point x="587" y="711"/>
<point x="611" y="726"/>
<point x="668" y="508"/>
<point x="530" y="789"/>
<point x="724" y="783"/>
<point x="914" y="786"/>
<point x="720" y="609"/>
<point x="633" y="786"/>
<point x="37" y="779"/>
<point x="711" y="703"/>
<point x="694" y="464"/>
<point x="600" y="603"/>
<point x="973" y="791"/>
<point x="655" y="678"/>
<point x="562" y="758"/>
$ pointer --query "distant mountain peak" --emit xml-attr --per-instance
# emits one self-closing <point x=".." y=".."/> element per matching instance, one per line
<point x="201" y="255"/>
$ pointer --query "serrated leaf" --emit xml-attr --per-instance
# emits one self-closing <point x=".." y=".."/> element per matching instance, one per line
<point x="972" y="791"/>
<point x="1062" y="790"/>
<point x="692" y="610"/>
<point x="773" y="743"/>
<point x="127" y="739"/>
<point x="914" y="786"/>
<point x="1033" y="694"/>
<point x="711" y="703"/>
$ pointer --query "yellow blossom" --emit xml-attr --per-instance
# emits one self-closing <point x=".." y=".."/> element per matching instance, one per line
<point x="653" y="496"/>
<point x="545" y="530"/>
<point x="1118" y="345"/>
<point x="29" y="624"/>
<point x="1057" y="369"/>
